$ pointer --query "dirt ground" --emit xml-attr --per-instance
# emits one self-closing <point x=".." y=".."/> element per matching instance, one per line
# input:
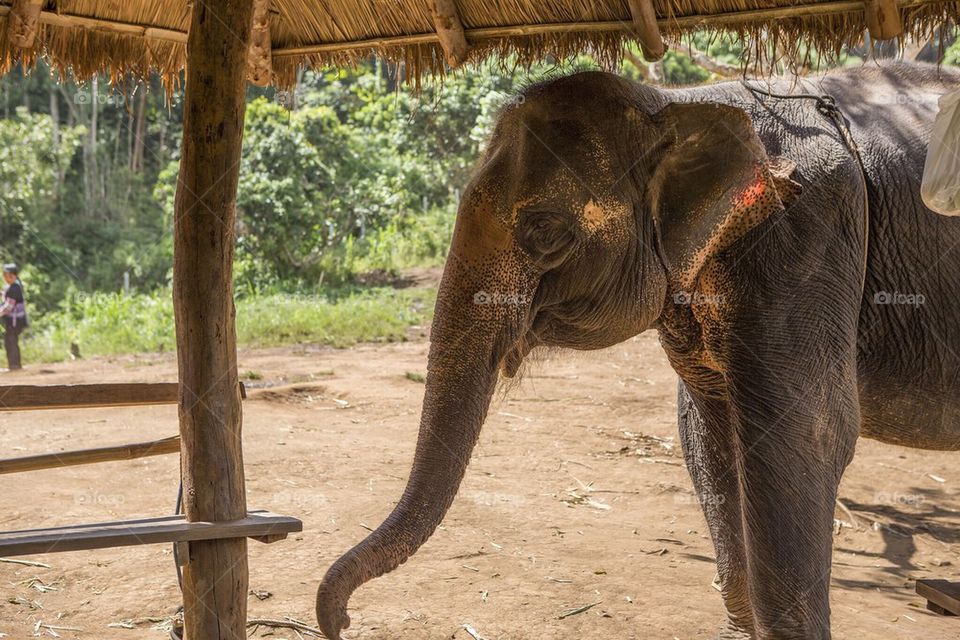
<point x="576" y="495"/>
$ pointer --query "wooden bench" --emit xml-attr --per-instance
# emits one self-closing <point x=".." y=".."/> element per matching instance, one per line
<point x="258" y="525"/>
<point x="942" y="596"/>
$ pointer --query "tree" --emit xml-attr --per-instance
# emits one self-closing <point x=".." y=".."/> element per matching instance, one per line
<point x="31" y="159"/>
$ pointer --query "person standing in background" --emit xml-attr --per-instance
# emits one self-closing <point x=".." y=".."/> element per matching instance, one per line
<point x="14" y="314"/>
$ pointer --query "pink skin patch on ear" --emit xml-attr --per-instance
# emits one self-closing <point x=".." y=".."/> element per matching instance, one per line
<point x="753" y="192"/>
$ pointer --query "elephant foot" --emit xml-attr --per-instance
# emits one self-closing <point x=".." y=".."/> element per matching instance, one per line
<point x="733" y="631"/>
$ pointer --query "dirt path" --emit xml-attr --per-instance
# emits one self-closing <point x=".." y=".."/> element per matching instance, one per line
<point x="576" y="495"/>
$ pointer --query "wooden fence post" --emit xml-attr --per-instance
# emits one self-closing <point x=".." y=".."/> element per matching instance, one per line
<point x="215" y="579"/>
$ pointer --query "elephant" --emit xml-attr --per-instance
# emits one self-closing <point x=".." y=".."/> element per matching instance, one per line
<point x="773" y="234"/>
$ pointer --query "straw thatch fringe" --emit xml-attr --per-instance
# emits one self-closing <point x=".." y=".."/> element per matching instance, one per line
<point x="135" y="38"/>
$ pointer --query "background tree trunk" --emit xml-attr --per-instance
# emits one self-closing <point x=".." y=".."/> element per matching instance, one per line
<point x="140" y="130"/>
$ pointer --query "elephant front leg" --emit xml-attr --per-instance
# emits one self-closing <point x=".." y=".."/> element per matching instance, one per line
<point x="707" y="437"/>
<point x="792" y="456"/>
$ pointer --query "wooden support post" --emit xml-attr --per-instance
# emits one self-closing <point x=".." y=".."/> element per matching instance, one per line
<point x="883" y="19"/>
<point x="647" y="31"/>
<point x="183" y="552"/>
<point x="22" y="22"/>
<point x="215" y="581"/>
<point x="446" y="20"/>
<point x="260" y="60"/>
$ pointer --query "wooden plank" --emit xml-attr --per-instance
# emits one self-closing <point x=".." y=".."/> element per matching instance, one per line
<point x="216" y="579"/>
<point x="943" y="594"/>
<point x="23" y="397"/>
<point x="22" y="22"/>
<point x="453" y="41"/>
<point x="127" y="533"/>
<point x="91" y="456"/>
<point x="85" y="396"/>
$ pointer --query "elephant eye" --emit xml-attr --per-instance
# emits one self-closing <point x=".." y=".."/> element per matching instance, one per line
<point x="541" y="226"/>
<point x="546" y="236"/>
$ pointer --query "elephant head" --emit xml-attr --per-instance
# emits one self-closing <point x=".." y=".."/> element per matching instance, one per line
<point x="594" y="199"/>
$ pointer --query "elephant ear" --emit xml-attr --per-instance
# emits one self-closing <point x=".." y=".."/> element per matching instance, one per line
<point x="713" y="184"/>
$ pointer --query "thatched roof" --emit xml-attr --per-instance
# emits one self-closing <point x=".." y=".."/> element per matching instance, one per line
<point x="141" y="36"/>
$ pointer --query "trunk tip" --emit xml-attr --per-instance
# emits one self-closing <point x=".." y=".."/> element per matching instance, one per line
<point x="332" y="615"/>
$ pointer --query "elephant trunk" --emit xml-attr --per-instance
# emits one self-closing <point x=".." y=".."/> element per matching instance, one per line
<point x="460" y="382"/>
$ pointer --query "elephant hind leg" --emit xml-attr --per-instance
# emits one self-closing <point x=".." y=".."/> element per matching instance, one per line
<point x="706" y="435"/>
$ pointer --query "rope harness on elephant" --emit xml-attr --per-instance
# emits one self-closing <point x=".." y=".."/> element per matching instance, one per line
<point x="827" y="106"/>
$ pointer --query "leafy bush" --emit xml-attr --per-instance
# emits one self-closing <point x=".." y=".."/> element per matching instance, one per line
<point x="952" y="55"/>
<point x="103" y="324"/>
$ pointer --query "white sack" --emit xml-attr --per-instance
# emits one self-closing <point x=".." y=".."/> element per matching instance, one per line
<point x="940" y="188"/>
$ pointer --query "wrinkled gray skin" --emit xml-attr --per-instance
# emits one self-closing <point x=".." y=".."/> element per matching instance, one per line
<point x="601" y="207"/>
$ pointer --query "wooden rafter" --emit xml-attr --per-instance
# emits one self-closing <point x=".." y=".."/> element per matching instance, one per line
<point x="453" y="39"/>
<point x="116" y="27"/>
<point x="728" y="18"/>
<point x="259" y="60"/>
<point x="647" y="31"/>
<point x="883" y="19"/>
<point x="22" y="22"/>
<point x="723" y="19"/>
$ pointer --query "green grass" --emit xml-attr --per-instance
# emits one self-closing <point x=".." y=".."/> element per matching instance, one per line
<point x="111" y="324"/>
<point x="375" y="315"/>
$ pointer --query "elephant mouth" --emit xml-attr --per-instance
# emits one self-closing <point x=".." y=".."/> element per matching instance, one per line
<point x="539" y="319"/>
<point x="511" y="362"/>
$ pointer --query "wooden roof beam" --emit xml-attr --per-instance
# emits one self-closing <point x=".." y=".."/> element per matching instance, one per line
<point x="647" y="31"/>
<point x="453" y="39"/>
<point x="260" y="58"/>
<point x="22" y="22"/>
<point x="883" y="19"/>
